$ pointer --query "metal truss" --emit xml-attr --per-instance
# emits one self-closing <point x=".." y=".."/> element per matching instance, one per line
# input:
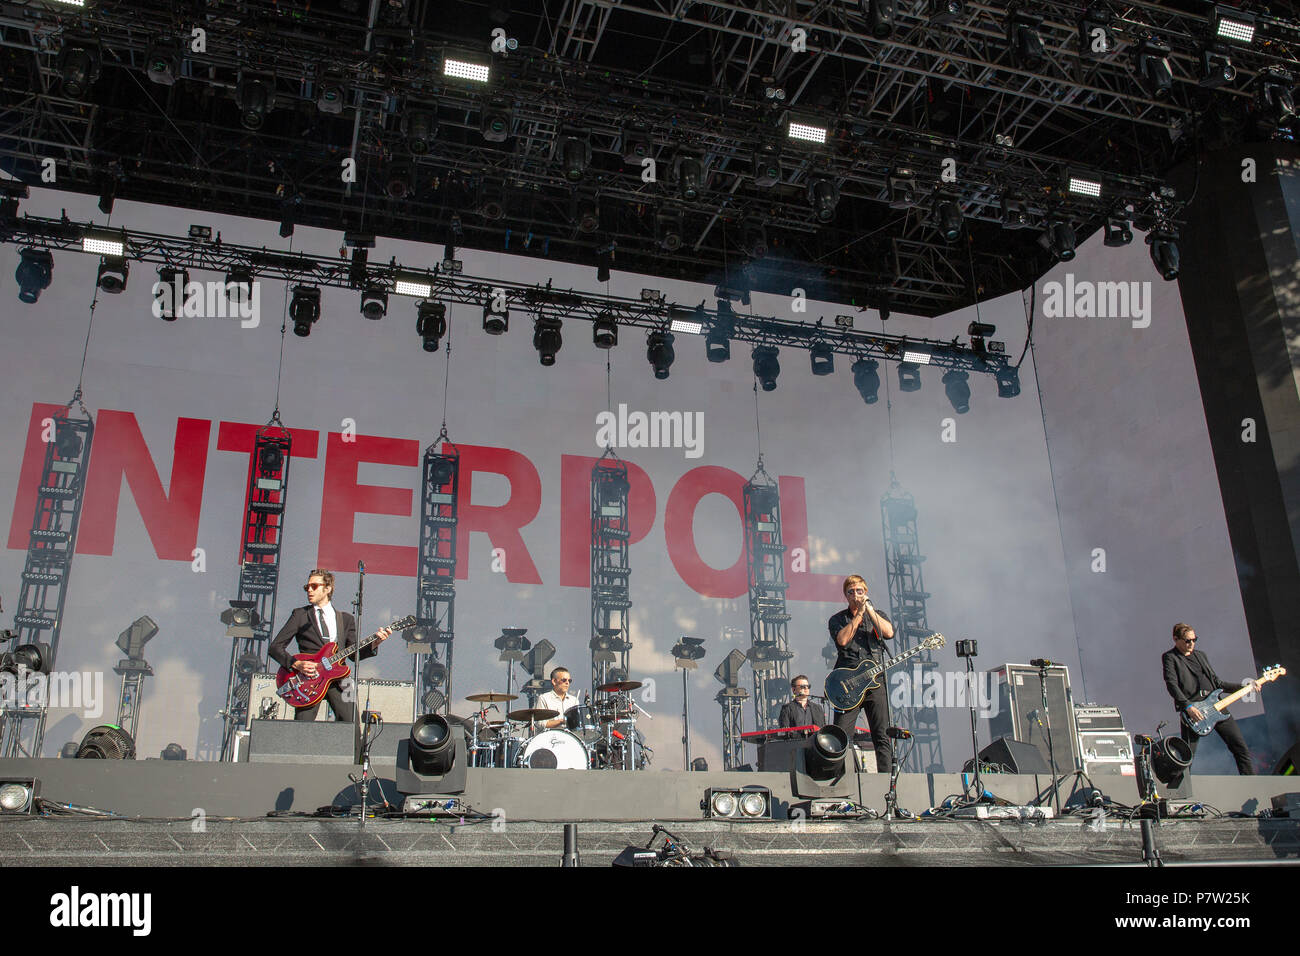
<point x="435" y="584"/>
<point x="732" y="701"/>
<point x="610" y="596"/>
<point x="128" y="701"/>
<point x="769" y="653"/>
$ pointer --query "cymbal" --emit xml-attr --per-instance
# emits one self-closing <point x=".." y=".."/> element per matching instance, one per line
<point x="619" y="686"/>
<point x="491" y="697"/>
<point x="534" y="713"/>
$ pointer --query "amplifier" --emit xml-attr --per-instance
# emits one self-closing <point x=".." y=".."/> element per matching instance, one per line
<point x="393" y="699"/>
<point x="1019" y="715"/>
<point x="1098" y="718"/>
<point x="1103" y="747"/>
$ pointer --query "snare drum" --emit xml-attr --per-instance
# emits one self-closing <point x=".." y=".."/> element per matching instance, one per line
<point x="555" y="750"/>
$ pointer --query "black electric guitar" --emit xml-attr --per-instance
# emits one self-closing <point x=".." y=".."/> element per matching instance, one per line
<point x="847" y="686"/>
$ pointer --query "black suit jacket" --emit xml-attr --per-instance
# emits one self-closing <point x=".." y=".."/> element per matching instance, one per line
<point x="791" y="715"/>
<point x="1181" y="680"/>
<point x="302" y="625"/>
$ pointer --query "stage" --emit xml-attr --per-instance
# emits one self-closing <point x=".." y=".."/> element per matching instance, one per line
<point x="185" y="813"/>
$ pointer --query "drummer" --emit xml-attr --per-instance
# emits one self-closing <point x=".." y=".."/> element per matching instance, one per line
<point x="559" y="699"/>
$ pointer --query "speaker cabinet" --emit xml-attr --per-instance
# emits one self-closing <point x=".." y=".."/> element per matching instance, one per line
<point x="1015" y="756"/>
<point x="394" y="700"/>
<point x="1020" y="712"/>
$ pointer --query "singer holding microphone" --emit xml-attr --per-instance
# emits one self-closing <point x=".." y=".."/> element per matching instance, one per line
<point x="860" y="632"/>
<point x="802" y="711"/>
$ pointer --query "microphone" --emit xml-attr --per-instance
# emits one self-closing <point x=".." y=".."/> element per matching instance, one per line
<point x="1041" y="662"/>
<point x="1036" y="717"/>
<point x="361" y="566"/>
<point x="898" y="733"/>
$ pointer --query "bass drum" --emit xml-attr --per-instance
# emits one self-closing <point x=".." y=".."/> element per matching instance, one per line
<point x="555" y="750"/>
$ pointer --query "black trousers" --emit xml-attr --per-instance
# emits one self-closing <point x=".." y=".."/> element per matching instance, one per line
<point x="876" y="706"/>
<point x="1230" y="734"/>
<point x="344" y="711"/>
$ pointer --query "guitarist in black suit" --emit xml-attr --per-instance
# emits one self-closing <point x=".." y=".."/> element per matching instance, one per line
<point x="1189" y="677"/>
<point x="859" y="631"/>
<point x="314" y="626"/>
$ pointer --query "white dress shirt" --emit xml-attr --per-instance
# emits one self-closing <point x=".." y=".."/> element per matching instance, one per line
<point x="553" y="701"/>
<point x="331" y="621"/>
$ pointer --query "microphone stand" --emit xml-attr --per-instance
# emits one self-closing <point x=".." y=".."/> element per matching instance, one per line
<point x="360" y="729"/>
<point x="892" y="811"/>
<point x="1051" y="752"/>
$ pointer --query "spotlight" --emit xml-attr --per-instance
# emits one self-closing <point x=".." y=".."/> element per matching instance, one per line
<point x="604" y="331"/>
<point x="806" y="133"/>
<point x="1153" y="67"/>
<point x="329" y="96"/>
<point x="1118" y="232"/>
<point x="902" y="189"/>
<point x="1276" y="99"/>
<point x="430" y="324"/>
<point x="1015" y="213"/>
<point x="767" y="169"/>
<point x="466" y="70"/>
<point x="1234" y="25"/>
<point x="880" y="17"/>
<point x="495" y="123"/>
<point x="1059" y="240"/>
<point x="78" y="66"/>
<point x="399" y="183"/>
<point x="909" y="377"/>
<point x="495" y="323"/>
<point x="1164" y="252"/>
<point x="825" y="754"/>
<point x="162" y="62"/>
<point x="1008" y="382"/>
<point x="866" y="379"/>
<point x="34" y="658"/>
<point x="100" y="242"/>
<point x="823" y="197"/>
<point x="946" y="11"/>
<point x="689" y="174"/>
<point x="67" y="443"/>
<point x="547" y="340"/>
<point x="270" y="459"/>
<point x="749" y="803"/>
<point x="239" y="285"/>
<point x="766" y="366"/>
<point x="256" y="98"/>
<point x="586" y="213"/>
<point x="113" y="271"/>
<point x="822" y="357"/>
<point x="173" y="752"/>
<point x="304" y="309"/>
<point x="659" y="352"/>
<point x="248" y="665"/>
<point x="1170" y="756"/>
<point x="668" y="230"/>
<point x="374" y="303"/>
<point x="604" y="260"/>
<point x="414" y="284"/>
<point x="1080" y="185"/>
<point x="106" y="742"/>
<point x="957" y="388"/>
<point x="431" y="748"/>
<point x="717" y="344"/>
<point x="574" y="155"/>
<point x="19" y="795"/>
<point x="1025" y="40"/>
<point x="1095" y="37"/>
<point x="419" y="127"/>
<point x="948" y="215"/>
<point x="242" y="617"/>
<point x="637" y="144"/>
<point x="35" y="269"/>
<point x="492" y="202"/>
<point x="1216" y="67"/>
<point x="753" y="240"/>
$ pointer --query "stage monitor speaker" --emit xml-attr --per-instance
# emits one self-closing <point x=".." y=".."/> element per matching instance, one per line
<point x="1015" y="755"/>
<point x="1289" y="764"/>
<point x="1019" y="714"/>
<point x="302" y="741"/>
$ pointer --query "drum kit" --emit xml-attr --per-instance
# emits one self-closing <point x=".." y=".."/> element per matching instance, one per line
<point x="599" y="735"/>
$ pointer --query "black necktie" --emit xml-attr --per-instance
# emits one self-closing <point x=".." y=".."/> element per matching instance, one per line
<point x="324" y="631"/>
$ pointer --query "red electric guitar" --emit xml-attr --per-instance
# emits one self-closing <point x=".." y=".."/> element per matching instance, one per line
<point x="299" y="691"/>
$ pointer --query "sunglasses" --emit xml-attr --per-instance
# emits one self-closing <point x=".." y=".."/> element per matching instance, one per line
<point x="312" y="587"/>
<point x="563" y="680"/>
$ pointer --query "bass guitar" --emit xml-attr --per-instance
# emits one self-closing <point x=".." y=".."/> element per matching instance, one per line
<point x="300" y="691"/>
<point x="1213" y="706"/>
<point x="846" y="687"/>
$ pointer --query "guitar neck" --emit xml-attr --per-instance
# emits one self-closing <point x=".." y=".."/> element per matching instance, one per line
<point x="356" y="649"/>
<point x="881" y="668"/>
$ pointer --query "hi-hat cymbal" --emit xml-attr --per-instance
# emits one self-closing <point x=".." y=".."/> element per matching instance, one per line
<point x="534" y="713"/>
<point x="618" y="686"/>
<point x="491" y="697"/>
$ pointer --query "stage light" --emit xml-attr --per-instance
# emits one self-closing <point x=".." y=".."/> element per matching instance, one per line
<point x="78" y="66"/>
<point x="465" y="70"/>
<point x="103" y="243"/>
<point x="684" y="322"/>
<point x="1164" y="252"/>
<point x="1235" y="25"/>
<point x="806" y="133"/>
<point x="1095" y="37"/>
<point x="494" y="322"/>
<point x="866" y="379"/>
<point x="547" y="340"/>
<point x="957" y="388"/>
<point x="1276" y="99"/>
<point x="304" y="309"/>
<point x="270" y="459"/>
<point x="689" y="174"/>
<point x="173" y="752"/>
<point x="717" y="343"/>
<point x="34" y="272"/>
<point x="1216" y="66"/>
<point x="902" y="189"/>
<point x="637" y="144"/>
<point x="604" y="331"/>
<point x="946" y="11"/>
<point x="430" y="324"/>
<point x="753" y="239"/>
<point x="495" y="122"/>
<point x="162" y="62"/>
<point x="242" y="617"/>
<point x="748" y="803"/>
<point x="659" y="352"/>
<point x="880" y="17"/>
<point x="113" y="271"/>
<point x="256" y="98"/>
<point x="1025" y="40"/>
<point x="1170" y="757"/>
<point x="239" y="285"/>
<point x="1008" y="378"/>
<point x="413" y="284"/>
<point x="434" y="671"/>
<point x="668" y="230"/>
<point x="1015" y="213"/>
<point x="247" y="665"/>
<point x="67" y="443"/>
<point x="170" y="301"/>
<point x="823" y="198"/>
<point x="374" y="303"/>
<point x="106" y="742"/>
<point x="1080" y="185"/>
<point x="420" y="127"/>
<point x="574" y="155"/>
<point x="431" y="750"/>
<point x="767" y="168"/>
<point x="329" y="96"/>
<point x="19" y="795"/>
<point x="586" y="213"/>
<point x="948" y="216"/>
<point x="909" y="377"/>
<point x="826" y="752"/>
<point x="1117" y="230"/>
<point x="399" y="181"/>
<point x="917" y="354"/>
<point x="1153" y="67"/>
<point x="766" y="366"/>
<point x="131" y="642"/>
<point x="1059" y="240"/>
<point x="35" y="658"/>
<point x="822" y="357"/>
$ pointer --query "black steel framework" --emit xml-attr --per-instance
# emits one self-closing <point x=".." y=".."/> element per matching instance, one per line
<point x="259" y="570"/>
<point x="907" y="597"/>
<point x="732" y="701"/>
<point x="435" y="584"/>
<point x="610" y="595"/>
<point x="38" y="617"/>
<point x="133" y="673"/>
<point x="769" y="652"/>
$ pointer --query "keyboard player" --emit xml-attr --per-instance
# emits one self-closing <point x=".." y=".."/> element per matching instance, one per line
<point x="802" y="711"/>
